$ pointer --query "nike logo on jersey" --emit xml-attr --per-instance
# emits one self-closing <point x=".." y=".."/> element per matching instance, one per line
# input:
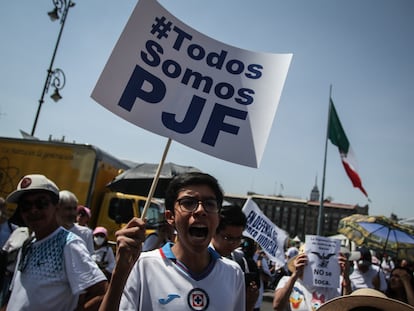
<point x="169" y="299"/>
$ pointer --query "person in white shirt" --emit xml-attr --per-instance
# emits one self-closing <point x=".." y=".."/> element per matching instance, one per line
<point x="66" y="217"/>
<point x="387" y="265"/>
<point x="103" y="254"/>
<point x="227" y="239"/>
<point x="365" y="274"/>
<point x="187" y="275"/>
<point x="54" y="269"/>
<point x="293" y="294"/>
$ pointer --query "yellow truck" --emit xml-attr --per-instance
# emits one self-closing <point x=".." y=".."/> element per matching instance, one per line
<point x="82" y="169"/>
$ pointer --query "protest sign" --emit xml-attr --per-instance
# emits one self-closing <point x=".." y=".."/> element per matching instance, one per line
<point x="172" y="80"/>
<point x="323" y="268"/>
<point x="270" y="238"/>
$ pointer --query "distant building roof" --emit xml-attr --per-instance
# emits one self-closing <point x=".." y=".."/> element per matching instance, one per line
<point x="333" y="204"/>
<point x="407" y="221"/>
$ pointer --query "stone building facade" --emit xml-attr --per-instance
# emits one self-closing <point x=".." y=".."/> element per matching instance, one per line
<point x="300" y="217"/>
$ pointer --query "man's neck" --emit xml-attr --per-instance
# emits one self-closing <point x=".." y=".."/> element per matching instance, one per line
<point x="196" y="262"/>
<point x="68" y="226"/>
<point x="41" y="234"/>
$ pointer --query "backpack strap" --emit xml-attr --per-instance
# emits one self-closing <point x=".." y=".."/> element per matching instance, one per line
<point x="104" y="255"/>
<point x="242" y="262"/>
<point x="246" y="266"/>
<point x="10" y="226"/>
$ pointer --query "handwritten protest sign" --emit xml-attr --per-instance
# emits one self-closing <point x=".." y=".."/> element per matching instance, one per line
<point x="322" y="269"/>
<point x="270" y="238"/>
<point x="172" y="80"/>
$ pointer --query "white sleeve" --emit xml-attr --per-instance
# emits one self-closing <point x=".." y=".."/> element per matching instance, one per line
<point x="241" y="292"/>
<point x="82" y="272"/>
<point x="282" y="282"/>
<point x="89" y="242"/>
<point x="130" y="300"/>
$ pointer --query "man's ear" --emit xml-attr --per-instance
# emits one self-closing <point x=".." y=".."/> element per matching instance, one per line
<point x="169" y="217"/>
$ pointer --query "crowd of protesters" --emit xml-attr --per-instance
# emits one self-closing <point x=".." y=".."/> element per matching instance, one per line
<point x="198" y="259"/>
<point x="360" y="270"/>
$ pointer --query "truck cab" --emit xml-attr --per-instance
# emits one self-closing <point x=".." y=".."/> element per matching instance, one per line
<point x="117" y="209"/>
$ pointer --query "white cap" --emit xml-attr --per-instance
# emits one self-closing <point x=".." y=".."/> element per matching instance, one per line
<point x="291" y="252"/>
<point x="351" y="255"/>
<point x="32" y="182"/>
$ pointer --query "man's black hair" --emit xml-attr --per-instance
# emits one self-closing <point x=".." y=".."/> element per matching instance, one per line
<point x="231" y="215"/>
<point x="187" y="179"/>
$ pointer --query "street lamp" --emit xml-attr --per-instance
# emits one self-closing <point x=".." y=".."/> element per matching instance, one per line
<point x="56" y="76"/>
<point x="58" y="81"/>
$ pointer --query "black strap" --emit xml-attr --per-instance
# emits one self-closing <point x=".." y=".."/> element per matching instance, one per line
<point x="10" y="226"/>
<point x="104" y="255"/>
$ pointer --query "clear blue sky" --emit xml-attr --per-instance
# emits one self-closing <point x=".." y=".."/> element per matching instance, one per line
<point x="363" y="48"/>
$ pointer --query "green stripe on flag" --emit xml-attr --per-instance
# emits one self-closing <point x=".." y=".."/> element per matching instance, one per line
<point x="336" y="133"/>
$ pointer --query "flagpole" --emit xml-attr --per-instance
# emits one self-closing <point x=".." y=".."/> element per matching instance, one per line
<point x="321" y="212"/>
<point x="155" y="180"/>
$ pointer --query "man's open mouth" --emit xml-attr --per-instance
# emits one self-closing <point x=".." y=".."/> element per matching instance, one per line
<point x="198" y="231"/>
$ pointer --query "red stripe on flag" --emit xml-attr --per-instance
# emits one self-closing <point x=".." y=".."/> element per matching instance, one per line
<point x="353" y="175"/>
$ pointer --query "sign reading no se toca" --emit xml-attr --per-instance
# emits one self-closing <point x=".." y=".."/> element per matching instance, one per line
<point x="323" y="268"/>
<point x="170" y="79"/>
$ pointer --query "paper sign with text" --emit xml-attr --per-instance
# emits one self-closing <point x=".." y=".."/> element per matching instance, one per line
<point x="269" y="236"/>
<point x="323" y="268"/>
<point x="174" y="81"/>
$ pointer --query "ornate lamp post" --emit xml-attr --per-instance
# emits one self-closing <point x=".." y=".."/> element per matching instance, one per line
<point x="56" y="76"/>
<point x="58" y="80"/>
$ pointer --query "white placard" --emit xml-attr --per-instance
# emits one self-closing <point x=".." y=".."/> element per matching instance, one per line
<point x="172" y="80"/>
<point x="323" y="268"/>
<point x="269" y="236"/>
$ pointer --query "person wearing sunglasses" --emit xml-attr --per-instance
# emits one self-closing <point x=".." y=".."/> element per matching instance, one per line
<point x="186" y="275"/>
<point x="54" y="269"/>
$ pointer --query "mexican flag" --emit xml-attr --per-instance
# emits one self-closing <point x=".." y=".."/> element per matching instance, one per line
<point x="337" y="136"/>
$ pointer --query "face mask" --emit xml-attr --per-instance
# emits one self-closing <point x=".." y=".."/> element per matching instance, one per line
<point x="99" y="240"/>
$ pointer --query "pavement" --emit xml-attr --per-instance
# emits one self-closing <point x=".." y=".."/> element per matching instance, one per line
<point x="268" y="295"/>
<point x="267" y="300"/>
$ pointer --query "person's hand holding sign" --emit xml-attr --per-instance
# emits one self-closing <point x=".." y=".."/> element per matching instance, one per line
<point x="300" y="262"/>
<point x="129" y="241"/>
<point x="296" y="266"/>
<point x="344" y="265"/>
